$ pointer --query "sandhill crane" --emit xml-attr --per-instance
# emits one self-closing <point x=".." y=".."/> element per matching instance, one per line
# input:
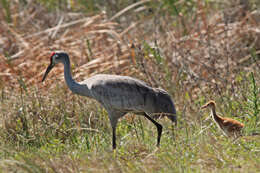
<point x="230" y="127"/>
<point x="119" y="95"/>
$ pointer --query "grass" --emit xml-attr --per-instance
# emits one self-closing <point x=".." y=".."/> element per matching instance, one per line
<point x="188" y="48"/>
<point x="61" y="132"/>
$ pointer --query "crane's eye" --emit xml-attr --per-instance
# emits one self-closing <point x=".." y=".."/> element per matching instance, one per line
<point x="55" y="57"/>
<point x="52" y="56"/>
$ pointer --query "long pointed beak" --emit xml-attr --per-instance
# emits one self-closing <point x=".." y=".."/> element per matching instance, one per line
<point x="47" y="71"/>
<point x="203" y="107"/>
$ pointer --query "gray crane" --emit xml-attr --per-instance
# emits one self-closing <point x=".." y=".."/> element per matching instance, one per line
<point x="119" y="95"/>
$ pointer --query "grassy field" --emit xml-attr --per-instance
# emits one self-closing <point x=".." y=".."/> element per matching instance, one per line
<point x="196" y="50"/>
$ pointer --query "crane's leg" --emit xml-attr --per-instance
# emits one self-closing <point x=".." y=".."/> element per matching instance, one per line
<point x="159" y="128"/>
<point x="114" y="138"/>
<point x="113" y="122"/>
<point x="113" y="117"/>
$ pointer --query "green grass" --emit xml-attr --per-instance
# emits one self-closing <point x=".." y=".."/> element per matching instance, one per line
<point x="6" y="9"/>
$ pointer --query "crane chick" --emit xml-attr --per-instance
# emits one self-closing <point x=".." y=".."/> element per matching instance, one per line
<point x="230" y="127"/>
<point x="119" y="95"/>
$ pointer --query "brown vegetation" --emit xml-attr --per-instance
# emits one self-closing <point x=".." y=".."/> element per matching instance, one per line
<point x="215" y="47"/>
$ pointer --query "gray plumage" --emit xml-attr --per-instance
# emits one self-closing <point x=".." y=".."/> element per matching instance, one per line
<point x="119" y="95"/>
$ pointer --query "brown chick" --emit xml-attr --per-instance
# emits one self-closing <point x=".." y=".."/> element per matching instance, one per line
<point x="230" y="127"/>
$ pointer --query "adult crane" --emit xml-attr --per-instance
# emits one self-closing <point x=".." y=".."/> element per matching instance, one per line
<point x="119" y="95"/>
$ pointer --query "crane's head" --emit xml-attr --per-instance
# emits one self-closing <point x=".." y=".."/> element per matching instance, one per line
<point x="56" y="57"/>
<point x="210" y="104"/>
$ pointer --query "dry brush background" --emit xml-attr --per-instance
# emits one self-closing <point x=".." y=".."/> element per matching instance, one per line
<point x="209" y="46"/>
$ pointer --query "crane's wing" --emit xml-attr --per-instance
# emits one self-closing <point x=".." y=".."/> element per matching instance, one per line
<point x="129" y="94"/>
<point x="119" y="92"/>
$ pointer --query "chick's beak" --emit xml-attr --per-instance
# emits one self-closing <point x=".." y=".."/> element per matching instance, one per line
<point x="203" y="107"/>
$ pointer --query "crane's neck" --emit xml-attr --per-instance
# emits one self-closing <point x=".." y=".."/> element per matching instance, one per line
<point x="72" y="84"/>
<point x="214" y="114"/>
